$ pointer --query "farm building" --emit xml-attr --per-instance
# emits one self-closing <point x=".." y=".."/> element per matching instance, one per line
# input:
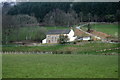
<point x="82" y="35"/>
<point x="85" y="38"/>
<point x="53" y="35"/>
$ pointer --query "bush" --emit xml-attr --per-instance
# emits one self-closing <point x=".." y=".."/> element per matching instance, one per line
<point x="40" y="34"/>
<point x="63" y="39"/>
<point x="90" y="40"/>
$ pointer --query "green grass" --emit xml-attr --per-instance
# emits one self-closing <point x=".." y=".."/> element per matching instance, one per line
<point x="0" y="66"/>
<point x="59" y="66"/>
<point x="111" y="29"/>
<point x="83" y="48"/>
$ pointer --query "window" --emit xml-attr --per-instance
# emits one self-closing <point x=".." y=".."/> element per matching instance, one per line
<point x="52" y="38"/>
<point x="47" y="36"/>
<point x="49" y="41"/>
<point x="55" y="38"/>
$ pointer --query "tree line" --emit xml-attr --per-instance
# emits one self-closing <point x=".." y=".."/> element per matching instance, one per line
<point x="64" y="13"/>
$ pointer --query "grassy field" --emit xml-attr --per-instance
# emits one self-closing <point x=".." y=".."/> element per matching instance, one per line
<point x="83" y="48"/>
<point x="111" y="29"/>
<point x="59" y="66"/>
<point x="83" y="64"/>
<point x="0" y="65"/>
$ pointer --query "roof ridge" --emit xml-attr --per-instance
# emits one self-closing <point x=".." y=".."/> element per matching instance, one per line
<point x="59" y="31"/>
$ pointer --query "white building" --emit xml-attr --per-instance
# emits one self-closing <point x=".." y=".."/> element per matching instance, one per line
<point x="84" y="38"/>
<point x="53" y="35"/>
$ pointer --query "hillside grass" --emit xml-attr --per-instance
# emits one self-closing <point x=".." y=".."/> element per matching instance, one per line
<point x="59" y="66"/>
<point x="111" y="29"/>
<point x="83" y="48"/>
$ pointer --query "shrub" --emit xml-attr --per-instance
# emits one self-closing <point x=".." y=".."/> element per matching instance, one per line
<point x="63" y="39"/>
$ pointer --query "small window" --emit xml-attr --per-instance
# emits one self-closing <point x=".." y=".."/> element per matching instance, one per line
<point x="52" y="37"/>
<point x="49" y="41"/>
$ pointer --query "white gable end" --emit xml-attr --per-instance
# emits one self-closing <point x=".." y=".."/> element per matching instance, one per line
<point x="44" y="41"/>
<point x="71" y="35"/>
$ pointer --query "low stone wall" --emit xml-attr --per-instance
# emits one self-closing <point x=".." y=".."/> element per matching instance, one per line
<point x="45" y="52"/>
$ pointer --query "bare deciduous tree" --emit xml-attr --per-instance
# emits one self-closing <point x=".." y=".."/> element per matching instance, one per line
<point x="58" y="17"/>
<point x="81" y="16"/>
<point x="89" y="17"/>
<point x="95" y="18"/>
<point x="40" y="34"/>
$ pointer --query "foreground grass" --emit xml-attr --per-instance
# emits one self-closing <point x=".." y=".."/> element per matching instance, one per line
<point x="0" y="65"/>
<point x="59" y="66"/>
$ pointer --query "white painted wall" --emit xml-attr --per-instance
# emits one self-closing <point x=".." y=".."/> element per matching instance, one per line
<point x="86" y="38"/>
<point x="44" y="41"/>
<point x="71" y="33"/>
<point x="52" y="38"/>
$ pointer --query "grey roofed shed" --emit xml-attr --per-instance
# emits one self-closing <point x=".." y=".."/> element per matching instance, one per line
<point x="58" y="31"/>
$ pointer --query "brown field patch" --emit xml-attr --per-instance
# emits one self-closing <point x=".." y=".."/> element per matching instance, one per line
<point x="100" y="34"/>
<point x="80" y="33"/>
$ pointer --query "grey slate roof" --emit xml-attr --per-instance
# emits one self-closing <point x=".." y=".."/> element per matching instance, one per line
<point x="58" y="31"/>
